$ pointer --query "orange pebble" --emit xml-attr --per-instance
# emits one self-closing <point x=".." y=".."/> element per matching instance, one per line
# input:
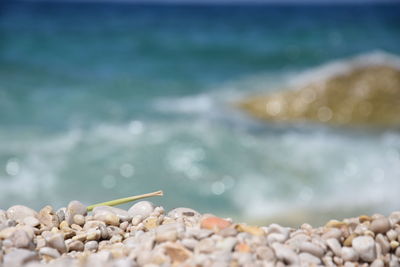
<point x="242" y="247"/>
<point x="214" y="223"/>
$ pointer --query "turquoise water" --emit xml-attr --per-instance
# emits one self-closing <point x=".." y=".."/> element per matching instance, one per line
<point x="101" y="101"/>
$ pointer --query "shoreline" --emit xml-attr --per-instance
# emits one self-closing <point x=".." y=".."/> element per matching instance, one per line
<point x="146" y="235"/>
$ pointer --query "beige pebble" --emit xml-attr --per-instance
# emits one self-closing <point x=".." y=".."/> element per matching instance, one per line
<point x="108" y="218"/>
<point x="383" y="242"/>
<point x="391" y="234"/>
<point x="75" y="245"/>
<point x="74" y="207"/>
<point x="79" y="219"/>
<point x="380" y="225"/>
<point x="51" y="252"/>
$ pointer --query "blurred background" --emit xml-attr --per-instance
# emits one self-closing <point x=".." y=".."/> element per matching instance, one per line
<point x="102" y="100"/>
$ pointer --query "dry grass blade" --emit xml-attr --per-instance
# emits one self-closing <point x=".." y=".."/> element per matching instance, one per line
<point x="125" y="200"/>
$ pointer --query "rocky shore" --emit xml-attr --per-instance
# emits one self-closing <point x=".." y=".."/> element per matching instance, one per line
<point x="146" y="235"/>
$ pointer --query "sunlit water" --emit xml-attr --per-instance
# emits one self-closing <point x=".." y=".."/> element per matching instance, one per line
<point x="105" y="101"/>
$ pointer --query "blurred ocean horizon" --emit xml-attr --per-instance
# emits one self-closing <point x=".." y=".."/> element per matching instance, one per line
<point x="101" y="101"/>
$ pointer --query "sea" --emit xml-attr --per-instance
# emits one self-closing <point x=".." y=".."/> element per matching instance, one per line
<point x="100" y="101"/>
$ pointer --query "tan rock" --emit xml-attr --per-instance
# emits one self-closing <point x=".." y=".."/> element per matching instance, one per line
<point x="177" y="252"/>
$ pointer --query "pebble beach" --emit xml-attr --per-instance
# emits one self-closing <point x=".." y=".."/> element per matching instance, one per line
<point x="147" y="235"/>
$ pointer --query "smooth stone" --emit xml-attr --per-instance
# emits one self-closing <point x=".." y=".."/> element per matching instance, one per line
<point x="61" y="214"/>
<point x="122" y="214"/>
<point x="335" y="246"/>
<point x="365" y="247"/>
<point x="166" y="232"/>
<point x="19" y="213"/>
<point x="93" y="224"/>
<point x="19" y="257"/>
<point x="394" y="218"/>
<point x="183" y="212"/>
<point x="48" y="217"/>
<point x="349" y="254"/>
<point x="214" y="223"/>
<point x="311" y="248"/>
<point x="189" y="243"/>
<point x="265" y="253"/>
<point x="93" y="234"/>
<point x="383" y="242"/>
<point x="107" y="217"/>
<point x="142" y="208"/>
<point x="51" y="252"/>
<point x="31" y="221"/>
<point x="332" y="233"/>
<point x="377" y="263"/>
<point x="79" y="219"/>
<point x="76" y="245"/>
<point x="91" y="245"/>
<point x="226" y="244"/>
<point x="309" y="258"/>
<point x="198" y="233"/>
<point x="284" y="253"/>
<point x="74" y="207"/>
<point x="380" y="225"/>
<point x="56" y="241"/>
<point x="21" y="239"/>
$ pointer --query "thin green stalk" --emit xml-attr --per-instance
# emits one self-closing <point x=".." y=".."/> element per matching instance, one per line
<point x="124" y="200"/>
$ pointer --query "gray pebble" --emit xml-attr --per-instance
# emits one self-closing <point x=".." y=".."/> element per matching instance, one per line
<point x="31" y="221"/>
<point x="91" y="245"/>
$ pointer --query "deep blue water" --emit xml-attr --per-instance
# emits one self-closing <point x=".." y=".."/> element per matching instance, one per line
<point x="99" y="101"/>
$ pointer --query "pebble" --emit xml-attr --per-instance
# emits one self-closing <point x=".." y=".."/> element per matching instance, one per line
<point x="31" y="221"/>
<point x="91" y="245"/>
<point x="142" y="208"/>
<point x="74" y="207"/>
<point x="183" y="237"/>
<point x="380" y="225"/>
<point x="51" y="252"/>
<point x="365" y="247"/>
<point x="21" y="239"/>
<point x="19" y="257"/>
<point x="76" y="245"/>
<point x="311" y="249"/>
<point x="56" y="241"/>
<point x="349" y="254"/>
<point x="284" y="253"/>
<point x="214" y="223"/>
<point x="19" y="213"/>
<point x="334" y="245"/>
<point x="107" y="217"/>
<point x="123" y="215"/>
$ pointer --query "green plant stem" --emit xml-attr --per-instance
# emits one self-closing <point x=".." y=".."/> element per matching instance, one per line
<point x="124" y="200"/>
